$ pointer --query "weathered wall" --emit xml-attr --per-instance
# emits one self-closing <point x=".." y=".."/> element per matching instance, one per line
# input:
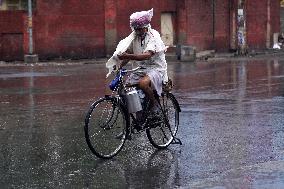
<point x="208" y="27"/>
<point x="69" y="29"/>
<point x="275" y="20"/>
<point x="11" y="35"/>
<point x="222" y="25"/>
<point x="199" y="24"/>
<point x="92" y="28"/>
<point x="275" y="17"/>
<point x="256" y="19"/>
<point x="262" y="22"/>
<point x="282" y="18"/>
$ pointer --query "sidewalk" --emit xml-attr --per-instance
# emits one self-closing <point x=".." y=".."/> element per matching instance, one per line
<point x="211" y="55"/>
<point x="56" y="62"/>
<point x="170" y="57"/>
<point x="254" y="54"/>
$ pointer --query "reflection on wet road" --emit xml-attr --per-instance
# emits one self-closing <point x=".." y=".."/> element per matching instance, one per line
<point x="232" y="129"/>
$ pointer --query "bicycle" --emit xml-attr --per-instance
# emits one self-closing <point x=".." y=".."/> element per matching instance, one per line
<point x="113" y="119"/>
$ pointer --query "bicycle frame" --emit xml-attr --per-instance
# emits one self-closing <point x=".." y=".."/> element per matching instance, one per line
<point x="121" y="88"/>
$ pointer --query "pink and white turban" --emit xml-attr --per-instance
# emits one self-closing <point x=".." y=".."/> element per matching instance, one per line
<point x="141" y="19"/>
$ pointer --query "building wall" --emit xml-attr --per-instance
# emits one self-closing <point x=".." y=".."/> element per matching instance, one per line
<point x="282" y="18"/>
<point x="256" y="19"/>
<point x="11" y="35"/>
<point x="92" y="28"/>
<point x="275" y="19"/>
<point x="222" y="25"/>
<point x="73" y="29"/>
<point x="199" y="24"/>
<point x="262" y="22"/>
<point x="208" y="26"/>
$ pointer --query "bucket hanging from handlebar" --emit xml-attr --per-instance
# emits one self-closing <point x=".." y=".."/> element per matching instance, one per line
<point x="133" y="101"/>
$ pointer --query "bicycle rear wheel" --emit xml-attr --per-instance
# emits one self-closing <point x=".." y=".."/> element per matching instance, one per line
<point x="106" y="127"/>
<point x="161" y="135"/>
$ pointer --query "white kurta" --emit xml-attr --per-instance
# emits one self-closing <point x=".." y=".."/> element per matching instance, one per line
<point x="156" y="66"/>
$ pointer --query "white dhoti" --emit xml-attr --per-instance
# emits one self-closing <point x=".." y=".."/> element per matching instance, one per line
<point x="155" y="76"/>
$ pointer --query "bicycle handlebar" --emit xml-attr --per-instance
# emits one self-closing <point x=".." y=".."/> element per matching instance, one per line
<point x="124" y="71"/>
<point x="134" y="69"/>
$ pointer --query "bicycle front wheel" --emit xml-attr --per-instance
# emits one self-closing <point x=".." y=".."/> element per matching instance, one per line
<point x="162" y="134"/>
<point x="106" y="127"/>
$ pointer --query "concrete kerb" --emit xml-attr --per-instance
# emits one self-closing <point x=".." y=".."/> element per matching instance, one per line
<point x="216" y="57"/>
<point x="251" y="55"/>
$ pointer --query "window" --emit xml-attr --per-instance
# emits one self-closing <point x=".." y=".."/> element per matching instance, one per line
<point x="15" y="4"/>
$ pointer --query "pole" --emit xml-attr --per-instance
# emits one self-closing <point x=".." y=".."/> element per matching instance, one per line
<point x="30" y="57"/>
<point x="242" y="44"/>
<point x="30" y="26"/>
<point x="213" y="23"/>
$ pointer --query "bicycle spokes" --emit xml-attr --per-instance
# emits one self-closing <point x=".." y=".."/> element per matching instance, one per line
<point x="106" y="127"/>
<point x="163" y="135"/>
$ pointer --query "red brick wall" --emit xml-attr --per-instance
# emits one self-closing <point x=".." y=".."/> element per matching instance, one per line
<point x="200" y="24"/>
<point x="78" y="29"/>
<point x="181" y="22"/>
<point x="275" y="16"/>
<point x="256" y="20"/>
<point x="69" y="29"/>
<point x="11" y="35"/>
<point x="222" y="25"/>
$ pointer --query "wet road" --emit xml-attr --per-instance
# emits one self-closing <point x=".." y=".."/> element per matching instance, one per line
<point x="232" y="129"/>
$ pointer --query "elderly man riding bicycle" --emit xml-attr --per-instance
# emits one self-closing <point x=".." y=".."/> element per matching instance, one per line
<point x="148" y="50"/>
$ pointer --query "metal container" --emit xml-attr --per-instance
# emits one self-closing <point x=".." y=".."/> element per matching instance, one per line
<point x="133" y="101"/>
